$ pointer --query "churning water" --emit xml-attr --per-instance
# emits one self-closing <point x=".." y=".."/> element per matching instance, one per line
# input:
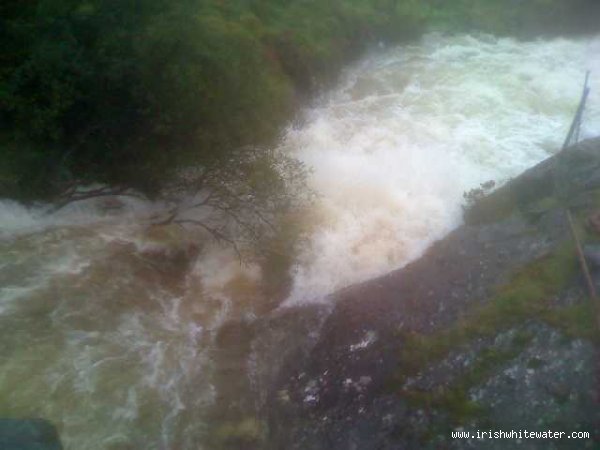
<point x="106" y="329"/>
<point x="411" y="129"/>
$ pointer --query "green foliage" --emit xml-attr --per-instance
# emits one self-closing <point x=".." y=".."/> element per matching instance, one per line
<point x="125" y="93"/>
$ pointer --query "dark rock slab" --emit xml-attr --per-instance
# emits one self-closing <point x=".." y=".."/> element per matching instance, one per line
<point x="337" y="397"/>
<point x="29" y="434"/>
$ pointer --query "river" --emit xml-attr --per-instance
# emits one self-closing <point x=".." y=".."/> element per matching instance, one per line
<point x="106" y="330"/>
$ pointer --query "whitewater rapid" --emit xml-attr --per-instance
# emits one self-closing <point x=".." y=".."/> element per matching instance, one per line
<point x="108" y="334"/>
<point x="412" y="128"/>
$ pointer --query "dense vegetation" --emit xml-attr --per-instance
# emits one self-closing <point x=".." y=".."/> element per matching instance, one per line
<point x="125" y="92"/>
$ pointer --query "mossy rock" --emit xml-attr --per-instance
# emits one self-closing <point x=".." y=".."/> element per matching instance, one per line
<point x="524" y="297"/>
<point x="509" y="199"/>
<point x="557" y="180"/>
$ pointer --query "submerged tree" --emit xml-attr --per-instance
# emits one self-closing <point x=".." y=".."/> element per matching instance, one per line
<point x="238" y="202"/>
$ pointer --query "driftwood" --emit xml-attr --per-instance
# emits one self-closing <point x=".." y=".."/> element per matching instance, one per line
<point x="573" y="137"/>
<point x="585" y="269"/>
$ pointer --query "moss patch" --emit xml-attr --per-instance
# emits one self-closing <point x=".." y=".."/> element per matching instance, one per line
<point x="492" y="208"/>
<point x="454" y="400"/>
<point x="525" y="296"/>
<point x="534" y="211"/>
<point x="576" y="322"/>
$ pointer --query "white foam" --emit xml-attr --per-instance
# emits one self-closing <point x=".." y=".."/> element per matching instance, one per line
<point x="411" y="129"/>
<point x="17" y="219"/>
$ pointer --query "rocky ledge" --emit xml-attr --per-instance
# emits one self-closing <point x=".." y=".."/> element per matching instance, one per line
<point x="492" y="329"/>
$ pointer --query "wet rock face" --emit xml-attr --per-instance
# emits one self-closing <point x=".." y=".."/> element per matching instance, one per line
<point x="553" y="380"/>
<point x="490" y="329"/>
<point x="592" y="254"/>
<point x="31" y="434"/>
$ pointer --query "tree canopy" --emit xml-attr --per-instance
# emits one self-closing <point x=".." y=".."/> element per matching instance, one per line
<point x="127" y="92"/>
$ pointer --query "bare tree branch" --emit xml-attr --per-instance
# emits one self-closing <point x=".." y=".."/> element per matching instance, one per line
<point x="216" y="234"/>
<point x="234" y="201"/>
